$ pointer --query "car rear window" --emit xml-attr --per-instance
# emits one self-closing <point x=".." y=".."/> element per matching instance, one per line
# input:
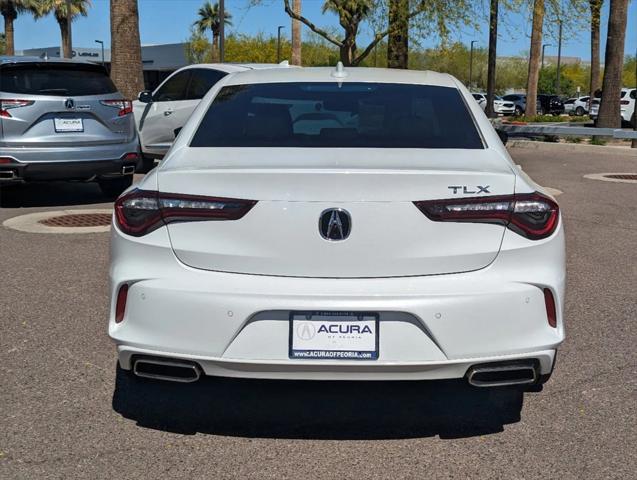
<point x="338" y="115"/>
<point x="55" y="79"/>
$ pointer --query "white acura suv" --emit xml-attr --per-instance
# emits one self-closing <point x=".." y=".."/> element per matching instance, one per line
<point x="353" y="224"/>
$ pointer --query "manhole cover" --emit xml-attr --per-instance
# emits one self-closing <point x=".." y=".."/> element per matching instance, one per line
<point x="622" y="176"/>
<point x="63" y="221"/>
<point x="78" y="220"/>
<point x="617" y="177"/>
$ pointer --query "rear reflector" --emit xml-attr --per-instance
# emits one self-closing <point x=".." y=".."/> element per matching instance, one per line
<point x="125" y="106"/>
<point x="130" y="156"/>
<point x="532" y="215"/>
<point x="5" y="160"/>
<point x="551" y="314"/>
<point x="120" y="306"/>
<point x="140" y="212"/>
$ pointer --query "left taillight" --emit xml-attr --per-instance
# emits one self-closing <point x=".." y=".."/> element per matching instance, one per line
<point x="140" y="212"/>
<point x="532" y="215"/>
<point x="8" y="104"/>
<point x="125" y="106"/>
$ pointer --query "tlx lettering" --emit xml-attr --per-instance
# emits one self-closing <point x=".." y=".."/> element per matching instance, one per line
<point x="344" y="329"/>
<point x="465" y="190"/>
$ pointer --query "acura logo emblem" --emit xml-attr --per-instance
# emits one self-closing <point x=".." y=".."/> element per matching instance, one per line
<point x="335" y="224"/>
<point x="69" y="103"/>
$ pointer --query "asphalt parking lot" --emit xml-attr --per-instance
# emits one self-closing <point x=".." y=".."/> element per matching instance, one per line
<point x="66" y="413"/>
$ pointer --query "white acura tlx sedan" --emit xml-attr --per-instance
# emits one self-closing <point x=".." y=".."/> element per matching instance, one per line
<point x="353" y="224"/>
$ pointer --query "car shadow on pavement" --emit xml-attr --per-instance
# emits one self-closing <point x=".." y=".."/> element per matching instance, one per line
<point x="317" y="410"/>
<point x="51" y="194"/>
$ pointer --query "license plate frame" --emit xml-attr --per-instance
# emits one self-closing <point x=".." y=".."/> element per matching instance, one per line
<point x="331" y="320"/>
<point x="68" y="125"/>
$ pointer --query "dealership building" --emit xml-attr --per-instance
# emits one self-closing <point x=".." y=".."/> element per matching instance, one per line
<point x="158" y="61"/>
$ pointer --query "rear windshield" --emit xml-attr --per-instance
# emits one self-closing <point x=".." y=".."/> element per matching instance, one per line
<point x="55" y="79"/>
<point x="332" y="115"/>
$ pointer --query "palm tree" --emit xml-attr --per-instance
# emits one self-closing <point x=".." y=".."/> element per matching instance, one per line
<point x="296" y="34"/>
<point x="596" y="8"/>
<point x="609" y="109"/>
<point x="10" y="9"/>
<point x="493" y="46"/>
<point x="60" y="9"/>
<point x="534" y="58"/>
<point x="209" y="19"/>
<point x="126" y="50"/>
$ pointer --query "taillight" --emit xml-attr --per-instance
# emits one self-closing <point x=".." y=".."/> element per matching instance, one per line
<point x="6" y="105"/>
<point x="532" y="215"/>
<point x="125" y="106"/>
<point x="120" y="305"/>
<point x="551" y="313"/>
<point x="140" y="212"/>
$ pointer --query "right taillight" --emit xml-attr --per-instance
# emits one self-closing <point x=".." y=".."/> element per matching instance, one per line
<point x="140" y="212"/>
<point x="551" y="312"/>
<point x="532" y="215"/>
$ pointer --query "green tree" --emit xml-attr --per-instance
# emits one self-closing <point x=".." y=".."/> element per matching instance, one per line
<point x="547" y="81"/>
<point x="60" y="9"/>
<point x="210" y="19"/>
<point x="9" y="9"/>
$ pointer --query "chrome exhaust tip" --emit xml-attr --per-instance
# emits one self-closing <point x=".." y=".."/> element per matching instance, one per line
<point x="503" y="374"/>
<point x="8" y="175"/>
<point x="128" y="169"/>
<point x="166" y="369"/>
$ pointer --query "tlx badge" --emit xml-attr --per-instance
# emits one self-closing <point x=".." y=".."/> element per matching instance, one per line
<point x="465" y="190"/>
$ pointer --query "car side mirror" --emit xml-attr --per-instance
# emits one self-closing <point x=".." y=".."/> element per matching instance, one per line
<point x="146" y="96"/>
<point x="504" y="136"/>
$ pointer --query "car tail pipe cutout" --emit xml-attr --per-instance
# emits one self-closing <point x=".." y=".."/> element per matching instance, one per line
<point x="170" y="370"/>
<point x="502" y="374"/>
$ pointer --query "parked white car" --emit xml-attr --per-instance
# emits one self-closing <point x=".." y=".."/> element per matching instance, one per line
<point x="500" y="106"/>
<point x="159" y="115"/>
<point x="576" y="106"/>
<point x="348" y="223"/>
<point x="627" y="105"/>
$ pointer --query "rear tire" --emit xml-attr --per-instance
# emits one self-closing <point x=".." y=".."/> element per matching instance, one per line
<point x="518" y="111"/>
<point x="113" y="187"/>
<point x="579" y="111"/>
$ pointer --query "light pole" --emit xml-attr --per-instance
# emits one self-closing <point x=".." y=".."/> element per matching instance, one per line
<point x="559" y="58"/>
<point x="278" y="43"/>
<point x="102" y="44"/>
<point x="222" y="33"/>
<point x="543" y="47"/>
<point x="471" y="64"/>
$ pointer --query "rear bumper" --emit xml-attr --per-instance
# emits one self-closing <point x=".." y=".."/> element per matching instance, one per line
<point x="430" y="327"/>
<point x="81" y="163"/>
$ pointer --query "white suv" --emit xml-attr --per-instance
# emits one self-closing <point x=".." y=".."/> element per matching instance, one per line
<point x="161" y="114"/>
<point x="500" y="106"/>
<point x="627" y="105"/>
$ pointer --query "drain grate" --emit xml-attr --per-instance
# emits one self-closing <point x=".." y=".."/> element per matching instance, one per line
<point x="622" y="176"/>
<point x="78" y="220"/>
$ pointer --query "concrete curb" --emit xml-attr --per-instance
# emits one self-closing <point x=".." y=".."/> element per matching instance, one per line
<point x="29" y="222"/>
<point x="571" y="147"/>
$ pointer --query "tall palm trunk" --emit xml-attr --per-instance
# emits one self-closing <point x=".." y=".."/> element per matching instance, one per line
<point x="296" y="34"/>
<point x="126" y="50"/>
<point x="215" y="46"/>
<point x="609" y="110"/>
<point x="534" y="58"/>
<point x="493" y="48"/>
<point x="67" y="48"/>
<point x="596" y="7"/>
<point x="9" y="13"/>
<point x="398" y="38"/>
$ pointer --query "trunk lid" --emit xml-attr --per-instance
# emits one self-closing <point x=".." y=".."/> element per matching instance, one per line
<point x="389" y="236"/>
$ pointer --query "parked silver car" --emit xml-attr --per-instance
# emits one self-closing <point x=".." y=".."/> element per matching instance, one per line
<point x="64" y="120"/>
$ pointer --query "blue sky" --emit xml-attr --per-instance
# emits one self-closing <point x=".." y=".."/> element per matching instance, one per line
<point x="162" y="22"/>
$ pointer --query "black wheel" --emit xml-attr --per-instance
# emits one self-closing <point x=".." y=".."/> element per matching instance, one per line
<point x="579" y="111"/>
<point x="147" y="164"/>
<point x="518" y="111"/>
<point x="113" y="187"/>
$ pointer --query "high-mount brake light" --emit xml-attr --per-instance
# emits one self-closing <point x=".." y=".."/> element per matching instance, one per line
<point x="8" y="104"/>
<point x="532" y="215"/>
<point x="125" y="106"/>
<point x="140" y="212"/>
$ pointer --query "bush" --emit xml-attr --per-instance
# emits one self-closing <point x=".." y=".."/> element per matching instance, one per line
<point x="574" y="139"/>
<point x="597" y="141"/>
